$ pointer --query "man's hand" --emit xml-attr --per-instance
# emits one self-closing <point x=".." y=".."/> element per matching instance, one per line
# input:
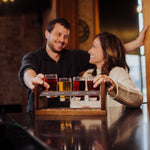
<point x="32" y="79"/>
<point x="39" y="79"/>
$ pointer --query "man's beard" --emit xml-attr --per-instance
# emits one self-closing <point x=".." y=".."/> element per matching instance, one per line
<point x="58" y="52"/>
<point x="55" y="51"/>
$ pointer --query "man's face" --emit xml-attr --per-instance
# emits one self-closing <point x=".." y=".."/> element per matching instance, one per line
<point x="58" y="38"/>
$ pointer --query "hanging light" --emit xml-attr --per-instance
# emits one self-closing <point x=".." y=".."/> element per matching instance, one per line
<point x="139" y="9"/>
<point x="5" y="1"/>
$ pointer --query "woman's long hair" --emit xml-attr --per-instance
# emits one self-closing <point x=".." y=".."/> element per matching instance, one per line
<point x="113" y="51"/>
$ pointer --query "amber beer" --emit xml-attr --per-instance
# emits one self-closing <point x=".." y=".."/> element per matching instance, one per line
<point x="91" y="88"/>
<point x="79" y="85"/>
<point x="65" y="84"/>
<point x="51" y="79"/>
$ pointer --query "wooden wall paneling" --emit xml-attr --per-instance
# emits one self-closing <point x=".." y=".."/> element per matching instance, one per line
<point x="86" y="23"/>
<point x="146" y="13"/>
<point x="97" y="20"/>
<point x="68" y="9"/>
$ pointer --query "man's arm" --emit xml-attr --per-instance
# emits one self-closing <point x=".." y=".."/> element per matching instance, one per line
<point x="133" y="45"/>
<point x="31" y="79"/>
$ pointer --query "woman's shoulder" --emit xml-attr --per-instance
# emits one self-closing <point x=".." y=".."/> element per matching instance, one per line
<point x="87" y="73"/>
<point x="118" y="70"/>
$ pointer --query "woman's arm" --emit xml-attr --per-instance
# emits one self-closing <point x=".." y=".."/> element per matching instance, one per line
<point x="120" y="87"/>
<point x="133" y="45"/>
<point x="127" y="93"/>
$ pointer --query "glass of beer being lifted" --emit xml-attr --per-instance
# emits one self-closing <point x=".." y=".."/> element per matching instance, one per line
<point x="51" y="79"/>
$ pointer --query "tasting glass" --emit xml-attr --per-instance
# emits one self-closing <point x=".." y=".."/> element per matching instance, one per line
<point x="52" y="80"/>
<point x="79" y="85"/>
<point x="65" y="84"/>
<point x="91" y="88"/>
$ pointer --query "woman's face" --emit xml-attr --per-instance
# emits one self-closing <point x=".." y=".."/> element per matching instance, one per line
<point x="96" y="54"/>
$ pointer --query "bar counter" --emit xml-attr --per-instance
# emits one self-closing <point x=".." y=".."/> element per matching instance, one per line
<point x="127" y="129"/>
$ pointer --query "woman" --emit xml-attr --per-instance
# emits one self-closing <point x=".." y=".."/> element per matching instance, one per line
<point x="108" y="55"/>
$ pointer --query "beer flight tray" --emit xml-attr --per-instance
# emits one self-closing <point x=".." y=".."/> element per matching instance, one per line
<point x="88" y="109"/>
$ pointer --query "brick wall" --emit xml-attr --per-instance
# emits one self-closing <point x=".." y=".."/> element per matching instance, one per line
<point x="19" y="34"/>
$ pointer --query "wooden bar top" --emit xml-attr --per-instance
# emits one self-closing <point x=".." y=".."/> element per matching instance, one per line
<point x="119" y="130"/>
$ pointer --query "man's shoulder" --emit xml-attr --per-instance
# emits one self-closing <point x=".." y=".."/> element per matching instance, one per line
<point x="75" y="52"/>
<point x="35" y="52"/>
<point x="78" y="51"/>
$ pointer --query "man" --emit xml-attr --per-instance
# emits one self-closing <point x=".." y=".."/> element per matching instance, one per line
<point x="54" y="58"/>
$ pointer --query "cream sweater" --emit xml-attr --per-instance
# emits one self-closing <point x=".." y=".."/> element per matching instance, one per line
<point x="127" y="94"/>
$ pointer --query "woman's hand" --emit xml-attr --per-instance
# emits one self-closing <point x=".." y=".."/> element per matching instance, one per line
<point x="142" y="34"/>
<point x="133" y="45"/>
<point x="111" y="86"/>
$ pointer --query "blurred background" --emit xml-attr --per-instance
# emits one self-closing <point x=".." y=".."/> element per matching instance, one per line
<point x="22" y="25"/>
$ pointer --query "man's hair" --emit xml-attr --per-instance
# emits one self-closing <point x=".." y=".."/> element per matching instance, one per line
<point x="61" y="21"/>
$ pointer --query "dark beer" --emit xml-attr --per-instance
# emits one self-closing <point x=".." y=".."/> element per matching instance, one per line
<point x="51" y="79"/>
<point x="91" y="88"/>
<point x="52" y="83"/>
